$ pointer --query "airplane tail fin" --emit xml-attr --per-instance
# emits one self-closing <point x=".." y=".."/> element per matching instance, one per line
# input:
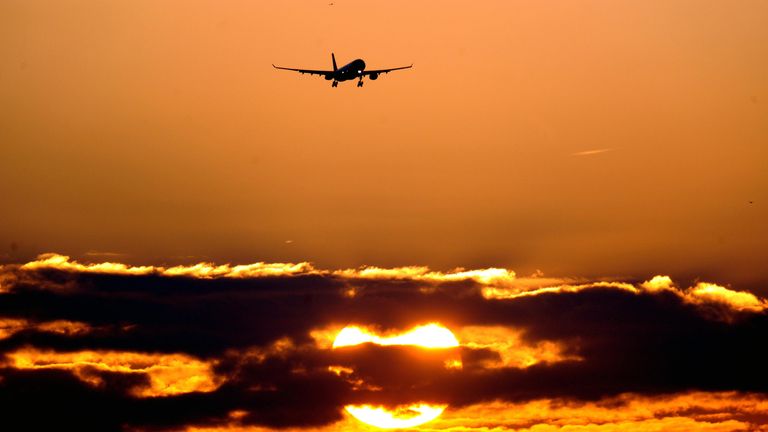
<point x="333" y="57"/>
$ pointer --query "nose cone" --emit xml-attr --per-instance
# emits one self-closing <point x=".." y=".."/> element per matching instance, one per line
<point x="360" y="64"/>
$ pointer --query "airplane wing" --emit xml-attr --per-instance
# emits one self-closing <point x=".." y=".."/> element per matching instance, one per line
<point x="305" y="71"/>
<point x="383" y="71"/>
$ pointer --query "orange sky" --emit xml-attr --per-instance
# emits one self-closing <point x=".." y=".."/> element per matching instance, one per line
<point x="159" y="131"/>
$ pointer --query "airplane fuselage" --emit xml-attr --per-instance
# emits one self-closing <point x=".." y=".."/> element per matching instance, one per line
<point x="350" y="71"/>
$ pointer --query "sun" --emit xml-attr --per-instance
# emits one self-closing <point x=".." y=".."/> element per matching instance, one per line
<point x="400" y="417"/>
<point x="430" y="336"/>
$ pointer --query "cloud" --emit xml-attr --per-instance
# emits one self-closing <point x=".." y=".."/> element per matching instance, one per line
<point x="420" y="273"/>
<point x="11" y="326"/>
<point x="708" y="294"/>
<point x="724" y="411"/>
<point x="703" y="294"/>
<point x="695" y="411"/>
<point x="168" y="374"/>
<point x="200" y="270"/>
<point x="153" y="348"/>
<point x="511" y="347"/>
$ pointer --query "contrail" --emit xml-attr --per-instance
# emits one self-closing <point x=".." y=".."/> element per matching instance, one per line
<point x="591" y="152"/>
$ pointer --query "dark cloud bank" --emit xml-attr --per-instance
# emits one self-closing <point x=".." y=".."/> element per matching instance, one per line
<point x="646" y="343"/>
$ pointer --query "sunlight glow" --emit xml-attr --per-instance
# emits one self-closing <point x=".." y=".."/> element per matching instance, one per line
<point x="400" y="417"/>
<point x="431" y="335"/>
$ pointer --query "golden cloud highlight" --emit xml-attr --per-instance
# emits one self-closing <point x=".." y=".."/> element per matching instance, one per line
<point x="64" y="327"/>
<point x="700" y="411"/>
<point x="495" y="283"/>
<point x="512" y="348"/>
<point x="169" y="374"/>
<point x="200" y="270"/>
<point x="502" y="293"/>
<point x="62" y="262"/>
<point x="701" y="294"/>
<point x="684" y="412"/>
<point x="10" y="326"/>
<point x="418" y="273"/>
<point x="260" y="269"/>
<point x="704" y="293"/>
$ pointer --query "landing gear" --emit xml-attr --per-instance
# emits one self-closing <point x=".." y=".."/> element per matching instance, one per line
<point x="360" y="83"/>
<point x="335" y="84"/>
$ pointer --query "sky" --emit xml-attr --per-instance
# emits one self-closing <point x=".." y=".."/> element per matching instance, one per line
<point x="159" y="131"/>
<point x="561" y="144"/>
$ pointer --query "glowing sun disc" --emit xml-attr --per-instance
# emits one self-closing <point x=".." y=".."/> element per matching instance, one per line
<point x="431" y="335"/>
<point x="426" y="336"/>
<point x="398" y="418"/>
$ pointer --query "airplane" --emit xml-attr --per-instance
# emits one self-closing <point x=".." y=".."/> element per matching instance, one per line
<point x="355" y="69"/>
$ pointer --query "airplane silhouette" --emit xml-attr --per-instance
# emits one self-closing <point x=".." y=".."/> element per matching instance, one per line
<point x="353" y="70"/>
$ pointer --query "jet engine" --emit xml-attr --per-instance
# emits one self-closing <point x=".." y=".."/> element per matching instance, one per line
<point x="374" y="76"/>
<point x="328" y="77"/>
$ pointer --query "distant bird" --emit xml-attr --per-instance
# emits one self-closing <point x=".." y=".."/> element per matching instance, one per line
<point x="750" y="202"/>
<point x="330" y="4"/>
